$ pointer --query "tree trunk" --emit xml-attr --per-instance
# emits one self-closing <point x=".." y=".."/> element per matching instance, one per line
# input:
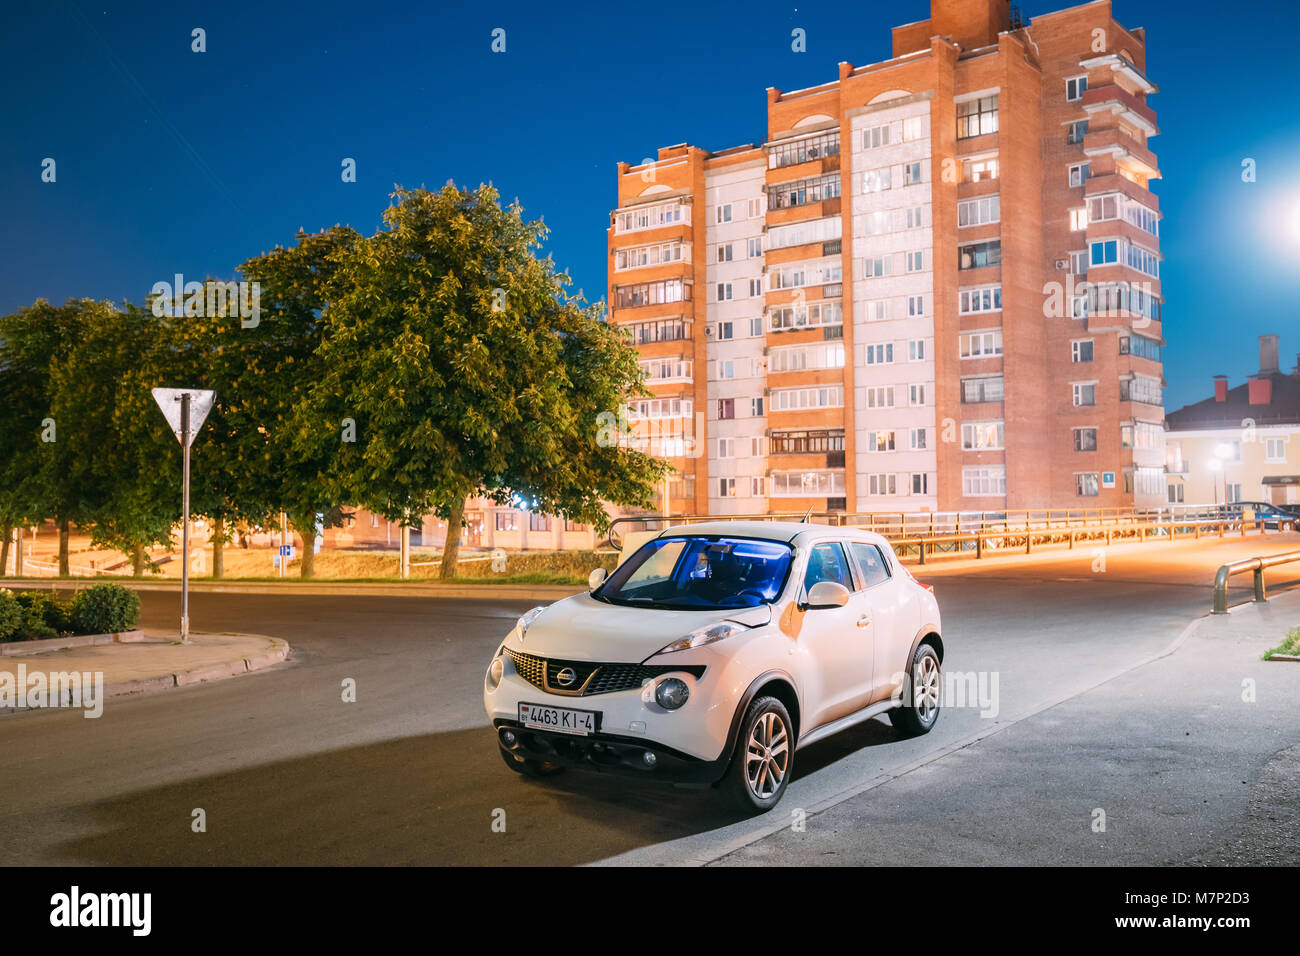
<point x="306" y="527"/>
<point x="137" y="561"/>
<point x="451" y="547"/>
<point x="65" y="569"/>
<point x="218" y="546"/>
<point x="8" y="527"/>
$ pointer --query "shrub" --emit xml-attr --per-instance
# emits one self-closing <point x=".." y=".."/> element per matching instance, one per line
<point x="44" y="613"/>
<point x="11" y="616"/>
<point x="104" y="609"/>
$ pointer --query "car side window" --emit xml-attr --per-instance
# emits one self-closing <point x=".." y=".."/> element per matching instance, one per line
<point x="827" y="562"/>
<point x="871" y="562"/>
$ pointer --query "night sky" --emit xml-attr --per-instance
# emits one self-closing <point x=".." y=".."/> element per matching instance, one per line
<point x="171" y="161"/>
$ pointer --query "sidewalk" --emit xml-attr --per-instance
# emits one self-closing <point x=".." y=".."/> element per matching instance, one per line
<point x="497" y="592"/>
<point x="158" y="662"/>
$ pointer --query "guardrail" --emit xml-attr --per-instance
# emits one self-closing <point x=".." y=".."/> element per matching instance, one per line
<point x="1258" y="566"/>
<point x="1004" y="539"/>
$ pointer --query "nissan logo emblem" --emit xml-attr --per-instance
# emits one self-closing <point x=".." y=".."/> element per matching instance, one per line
<point x="566" y="676"/>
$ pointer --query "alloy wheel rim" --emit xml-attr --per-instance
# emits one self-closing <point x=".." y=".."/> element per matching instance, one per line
<point x="767" y="755"/>
<point x="927" y="690"/>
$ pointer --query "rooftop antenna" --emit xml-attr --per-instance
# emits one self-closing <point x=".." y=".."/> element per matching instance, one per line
<point x="806" y="515"/>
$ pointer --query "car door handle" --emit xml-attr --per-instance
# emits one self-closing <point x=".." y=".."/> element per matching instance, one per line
<point x="864" y="621"/>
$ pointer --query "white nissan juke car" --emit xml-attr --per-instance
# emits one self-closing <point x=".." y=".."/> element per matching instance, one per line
<point x="716" y="651"/>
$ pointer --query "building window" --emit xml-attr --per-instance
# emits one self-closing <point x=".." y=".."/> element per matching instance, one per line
<point x="1275" y="449"/>
<point x="1104" y="253"/>
<point x="875" y="137"/>
<point x="726" y="368"/>
<point x="987" y="388"/>
<point x="916" y="261"/>
<point x="982" y="436"/>
<point x="1140" y="388"/>
<point x="920" y="484"/>
<point x="726" y="448"/>
<point x="916" y="395"/>
<point x="916" y="350"/>
<point x="754" y="247"/>
<point x="756" y="407"/>
<point x="876" y="180"/>
<point x="880" y="353"/>
<point x="807" y="484"/>
<point x="1079" y="263"/>
<point x="797" y="399"/>
<point x="981" y="344"/>
<point x="1085" y="439"/>
<point x="807" y="442"/>
<point x="755" y="287"/>
<point x="1176" y="493"/>
<point x="1079" y="173"/>
<point x="916" y="439"/>
<point x="877" y="267"/>
<point x="880" y="396"/>
<point x="724" y="213"/>
<point x="882" y="485"/>
<point x="987" y="299"/>
<point x="978" y="212"/>
<point x="724" y="291"/>
<point x="538" y="522"/>
<point x="1075" y="132"/>
<point x="726" y="408"/>
<point x="725" y="251"/>
<point x="1232" y="492"/>
<point x="911" y="173"/>
<point x="977" y="117"/>
<point x="915" y="305"/>
<point x="727" y="487"/>
<point x="1079" y="219"/>
<point x="879" y="442"/>
<point x="984" y="481"/>
<point x="916" y="217"/>
<point x="803" y="151"/>
<point x="1087" y="485"/>
<point x="979" y="170"/>
<point x="507" y="521"/>
<point x="1081" y="350"/>
<point x="802" y="192"/>
<point x="979" y="255"/>
<point x="1074" y="88"/>
<point x="1085" y="393"/>
<point x="651" y="293"/>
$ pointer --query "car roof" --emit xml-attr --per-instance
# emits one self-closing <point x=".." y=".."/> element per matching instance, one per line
<point x="786" y="531"/>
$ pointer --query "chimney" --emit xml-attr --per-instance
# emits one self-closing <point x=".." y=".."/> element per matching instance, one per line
<point x="1268" y="357"/>
<point x="1261" y="391"/>
<point x="1220" y="388"/>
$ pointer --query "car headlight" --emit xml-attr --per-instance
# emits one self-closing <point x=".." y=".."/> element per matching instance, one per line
<point x="495" y="671"/>
<point x="527" y="619"/>
<point x="704" y="635"/>
<point x="671" y="693"/>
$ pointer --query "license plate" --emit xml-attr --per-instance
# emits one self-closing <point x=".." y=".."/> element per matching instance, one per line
<point x="562" y="720"/>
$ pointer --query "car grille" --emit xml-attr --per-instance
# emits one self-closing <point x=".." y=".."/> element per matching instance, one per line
<point x="589" y="677"/>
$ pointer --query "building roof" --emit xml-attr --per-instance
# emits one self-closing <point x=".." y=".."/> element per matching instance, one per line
<point x="1284" y="409"/>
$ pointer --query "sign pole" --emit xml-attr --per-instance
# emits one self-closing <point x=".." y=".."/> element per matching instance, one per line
<point x="185" y="528"/>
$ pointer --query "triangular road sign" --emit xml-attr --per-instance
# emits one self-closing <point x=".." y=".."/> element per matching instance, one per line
<point x="169" y="400"/>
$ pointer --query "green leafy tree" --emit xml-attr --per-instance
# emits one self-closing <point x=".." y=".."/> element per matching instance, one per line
<point x="467" y="370"/>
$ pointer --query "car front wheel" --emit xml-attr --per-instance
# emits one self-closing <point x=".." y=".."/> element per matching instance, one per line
<point x="760" y="770"/>
<point x="921" y="702"/>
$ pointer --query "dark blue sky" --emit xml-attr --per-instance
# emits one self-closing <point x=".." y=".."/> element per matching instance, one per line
<point x="171" y="161"/>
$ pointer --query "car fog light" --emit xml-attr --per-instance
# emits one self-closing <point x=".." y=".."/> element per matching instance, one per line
<point x="671" y="693"/>
<point x="508" y="738"/>
<point x="495" y="670"/>
<point x="649" y="758"/>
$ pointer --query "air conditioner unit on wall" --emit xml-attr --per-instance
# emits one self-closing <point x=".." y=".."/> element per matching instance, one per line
<point x="1062" y="264"/>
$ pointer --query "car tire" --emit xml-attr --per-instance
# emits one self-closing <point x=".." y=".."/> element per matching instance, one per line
<point x="921" y="696"/>
<point x="764" y="758"/>
<point x="530" y="767"/>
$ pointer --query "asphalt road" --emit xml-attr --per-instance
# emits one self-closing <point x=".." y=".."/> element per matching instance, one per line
<point x="288" y="773"/>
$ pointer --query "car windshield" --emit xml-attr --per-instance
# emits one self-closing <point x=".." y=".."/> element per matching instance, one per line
<point x="700" y="573"/>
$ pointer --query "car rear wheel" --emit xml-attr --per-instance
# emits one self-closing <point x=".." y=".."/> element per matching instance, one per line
<point x="530" y="767"/>
<point x="764" y="758"/>
<point x="921" y="698"/>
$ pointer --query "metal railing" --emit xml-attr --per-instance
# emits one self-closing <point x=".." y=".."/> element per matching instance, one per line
<point x="901" y="526"/>
<point x="1000" y="538"/>
<point x="1258" y="566"/>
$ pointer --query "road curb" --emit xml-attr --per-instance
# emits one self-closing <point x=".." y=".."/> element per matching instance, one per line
<point x="208" y="673"/>
<point x="28" y="648"/>
<point x="497" y="592"/>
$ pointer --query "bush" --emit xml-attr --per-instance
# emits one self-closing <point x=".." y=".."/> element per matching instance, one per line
<point x="44" y="613"/>
<point x="11" y="616"/>
<point x="105" y="609"/>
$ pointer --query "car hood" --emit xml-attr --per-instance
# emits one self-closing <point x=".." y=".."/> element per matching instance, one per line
<point x="580" y="628"/>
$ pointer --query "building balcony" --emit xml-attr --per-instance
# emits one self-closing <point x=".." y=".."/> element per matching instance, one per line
<point x="1126" y="150"/>
<point x="1114" y="98"/>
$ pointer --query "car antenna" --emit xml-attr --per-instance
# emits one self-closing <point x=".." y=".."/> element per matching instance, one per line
<point x="806" y="515"/>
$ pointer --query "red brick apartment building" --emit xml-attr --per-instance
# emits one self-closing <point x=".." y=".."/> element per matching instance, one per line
<point x="933" y="287"/>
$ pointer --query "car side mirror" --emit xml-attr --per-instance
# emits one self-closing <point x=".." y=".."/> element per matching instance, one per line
<point x="596" y="578"/>
<point x="826" y="594"/>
